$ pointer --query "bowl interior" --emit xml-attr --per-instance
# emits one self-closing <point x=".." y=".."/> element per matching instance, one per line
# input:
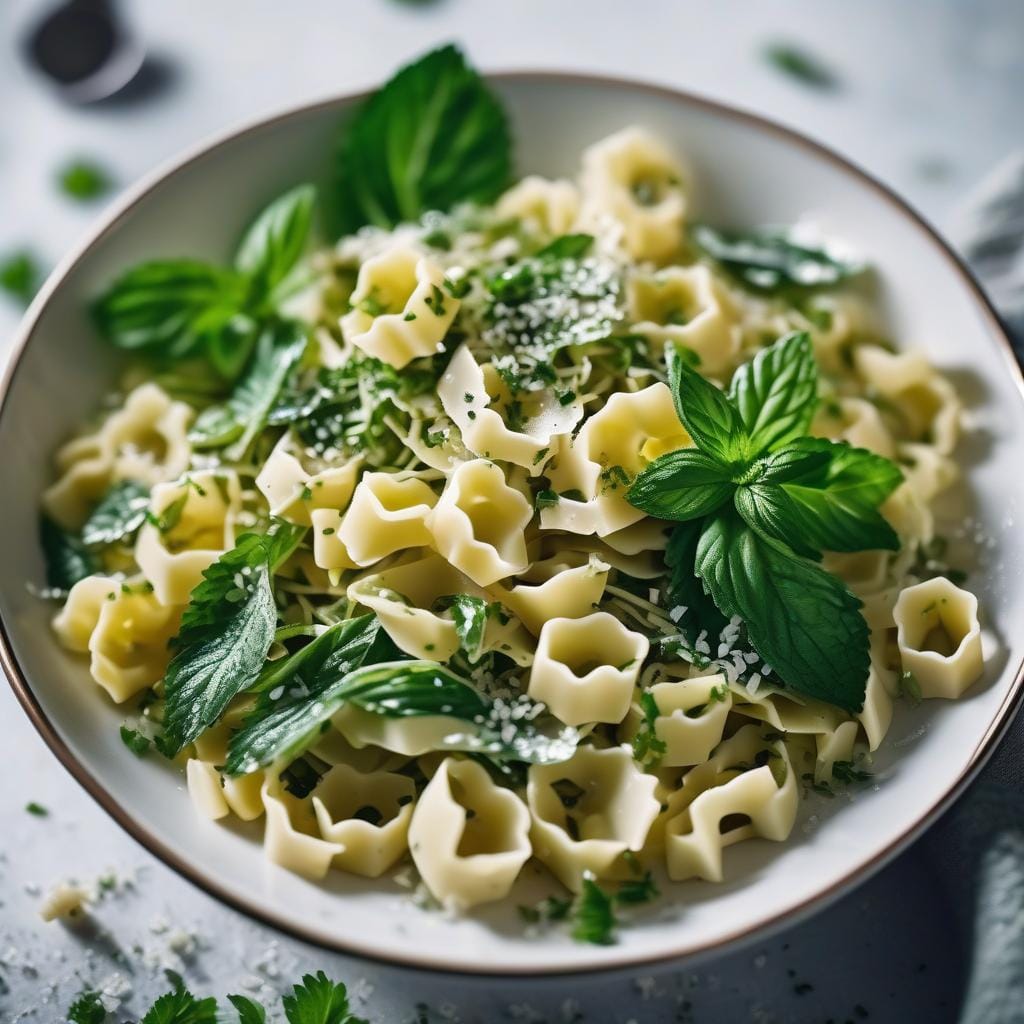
<point x="743" y="172"/>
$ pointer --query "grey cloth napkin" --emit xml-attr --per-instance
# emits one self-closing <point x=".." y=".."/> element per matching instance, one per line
<point x="978" y="848"/>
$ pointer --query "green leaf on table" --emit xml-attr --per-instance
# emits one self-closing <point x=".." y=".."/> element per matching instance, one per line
<point x="84" y="180"/>
<point x="802" y="621"/>
<point x="235" y="423"/>
<point x="776" y="393"/>
<point x="20" y="276"/>
<point x="67" y="559"/>
<point x="681" y="485"/>
<point x="120" y="512"/>
<point x="226" y="632"/>
<point x="318" y="1000"/>
<point x="88" y="1008"/>
<point x="433" y="136"/>
<point x="768" y="260"/>
<point x="181" y="1007"/>
<point x="275" y="240"/>
<point x="801" y="65"/>
<point x="249" y="1011"/>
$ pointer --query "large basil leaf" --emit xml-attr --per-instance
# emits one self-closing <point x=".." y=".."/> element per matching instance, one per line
<point x="120" y="512"/>
<point x="274" y="241"/>
<point x="684" y="484"/>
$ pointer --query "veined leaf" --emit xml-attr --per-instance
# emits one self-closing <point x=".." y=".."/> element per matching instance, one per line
<point x="681" y="485"/>
<point x="249" y="1011"/>
<point x="800" y="457"/>
<point x="67" y="558"/>
<point x="181" y="1007"/>
<point x="799" y="618"/>
<point x="121" y="511"/>
<point x="226" y="632"/>
<point x="242" y="417"/>
<point x="433" y="136"/>
<point x="275" y="240"/>
<point x="470" y="617"/>
<point x="685" y="590"/>
<point x="776" y="393"/>
<point x="768" y="260"/>
<point x="711" y="419"/>
<point x="567" y="247"/>
<point x="318" y="1000"/>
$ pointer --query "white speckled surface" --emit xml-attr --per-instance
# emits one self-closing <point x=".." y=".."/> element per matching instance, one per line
<point x="930" y="101"/>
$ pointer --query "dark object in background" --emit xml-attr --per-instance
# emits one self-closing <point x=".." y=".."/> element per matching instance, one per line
<point x="86" y="50"/>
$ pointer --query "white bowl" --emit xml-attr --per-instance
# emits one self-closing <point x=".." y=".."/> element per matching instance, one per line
<point x="745" y="171"/>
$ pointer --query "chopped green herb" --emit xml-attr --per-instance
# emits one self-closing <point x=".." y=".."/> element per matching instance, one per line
<point x="20" y="276"/>
<point x="545" y="499"/>
<point x="801" y="65"/>
<point x="88" y="1008"/>
<point x="37" y="809"/>
<point x="84" y="180"/>
<point x="135" y="741"/>
<point x="592" y="914"/>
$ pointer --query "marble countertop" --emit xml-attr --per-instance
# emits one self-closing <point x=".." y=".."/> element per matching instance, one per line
<point x="928" y="101"/>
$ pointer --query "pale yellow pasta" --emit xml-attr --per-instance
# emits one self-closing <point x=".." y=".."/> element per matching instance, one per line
<point x="291" y="837"/>
<point x="469" y="838"/>
<point x="611" y="805"/>
<point x="856" y="421"/>
<point x="551" y="206"/>
<point x="409" y="737"/>
<point x="585" y="668"/>
<point x="939" y="637"/>
<point x="386" y="514"/>
<point x="402" y="307"/>
<point x="204" y="789"/>
<point x="633" y="181"/>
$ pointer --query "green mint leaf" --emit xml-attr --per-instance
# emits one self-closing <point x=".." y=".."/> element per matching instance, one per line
<point x="84" y="180"/>
<point x="36" y="809"/>
<point x="853" y="474"/>
<point x="169" y="307"/>
<point x="67" y="559"/>
<point x="181" y="1007"/>
<point x="710" y="418"/>
<point x="767" y="260"/>
<point x="249" y="1011"/>
<point x="433" y="136"/>
<point x="648" y="749"/>
<point x="567" y="247"/>
<point x="235" y="424"/>
<point x="134" y="740"/>
<point x="20" y="276"/>
<point x="802" y="621"/>
<point x="638" y="890"/>
<point x="318" y="1000"/>
<point x="300" y="693"/>
<point x="121" y="511"/>
<point x="776" y="393"/>
<point x="226" y="632"/>
<point x="593" y="917"/>
<point x="87" y="1009"/>
<point x="799" y="458"/>
<point x="685" y="590"/>
<point x="470" y="617"/>
<point x="276" y="239"/>
<point x="801" y="65"/>
<point x="681" y="485"/>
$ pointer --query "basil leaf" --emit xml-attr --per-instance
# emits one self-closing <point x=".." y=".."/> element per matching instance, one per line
<point x="852" y="474"/>
<point x="181" y="1007"/>
<point x="767" y="260"/>
<point x="276" y="239"/>
<point x="67" y="558"/>
<point x="226" y="632"/>
<point x="706" y="412"/>
<point x="776" y="393"/>
<point x="169" y="306"/>
<point x="121" y="511"/>
<point x="567" y="247"/>
<point x="470" y="617"/>
<point x="799" y="618"/>
<point x="685" y="590"/>
<point x="767" y="508"/>
<point x="300" y="693"/>
<point x="680" y="485"/>
<point x="243" y="416"/>
<point x="433" y="136"/>
<point x="318" y="1000"/>
<point x="802" y="456"/>
<point x="249" y="1011"/>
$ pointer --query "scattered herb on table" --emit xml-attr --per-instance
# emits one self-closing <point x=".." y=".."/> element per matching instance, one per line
<point x="20" y="276"/>
<point x="84" y="180"/>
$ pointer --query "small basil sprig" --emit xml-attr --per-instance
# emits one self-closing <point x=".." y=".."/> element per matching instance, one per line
<point x="176" y="308"/>
<point x="769" y="260"/>
<point x="757" y="501"/>
<point x="120" y="512"/>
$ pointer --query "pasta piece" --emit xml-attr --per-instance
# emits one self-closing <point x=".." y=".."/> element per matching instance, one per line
<point x="468" y="837"/>
<point x="386" y="514"/>
<point x="368" y="815"/>
<point x="585" y="669"/>
<point x="633" y="180"/>
<point x="410" y="737"/>
<point x="926" y="401"/>
<point x="401" y="307"/>
<point x="589" y="811"/>
<point x="479" y="523"/>
<point x="939" y="637"/>
<point x="329" y="551"/>
<point x="876" y="715"/>
<point x="146" y="440"/>
<point x="550" y="206"/>
<point x="613" y="445"/>
<point x="173" y="559"/>
<point x="204" y="789"/>
<point x="864" y="572"/>
<point x="687" y="306"/>
<point x="570" y="593"/>
<point x="291" y="837"/>
<point x="832" y="747"/>
<point x="477" y="401"/>
<point x="243" y="795"/>
<point x="856" y="421"/>
<point x="927" y="472"/>
<point x="723" y="801"/>
<point x="691" y="718"/>
<point x="75" y="623"/>
<point x="294" y="485"/>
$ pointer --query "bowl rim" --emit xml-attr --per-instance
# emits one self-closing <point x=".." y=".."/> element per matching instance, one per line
<point x="195" y="873"/>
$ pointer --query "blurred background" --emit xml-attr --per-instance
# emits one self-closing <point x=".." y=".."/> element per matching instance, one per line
<point x="924" y="93"/>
